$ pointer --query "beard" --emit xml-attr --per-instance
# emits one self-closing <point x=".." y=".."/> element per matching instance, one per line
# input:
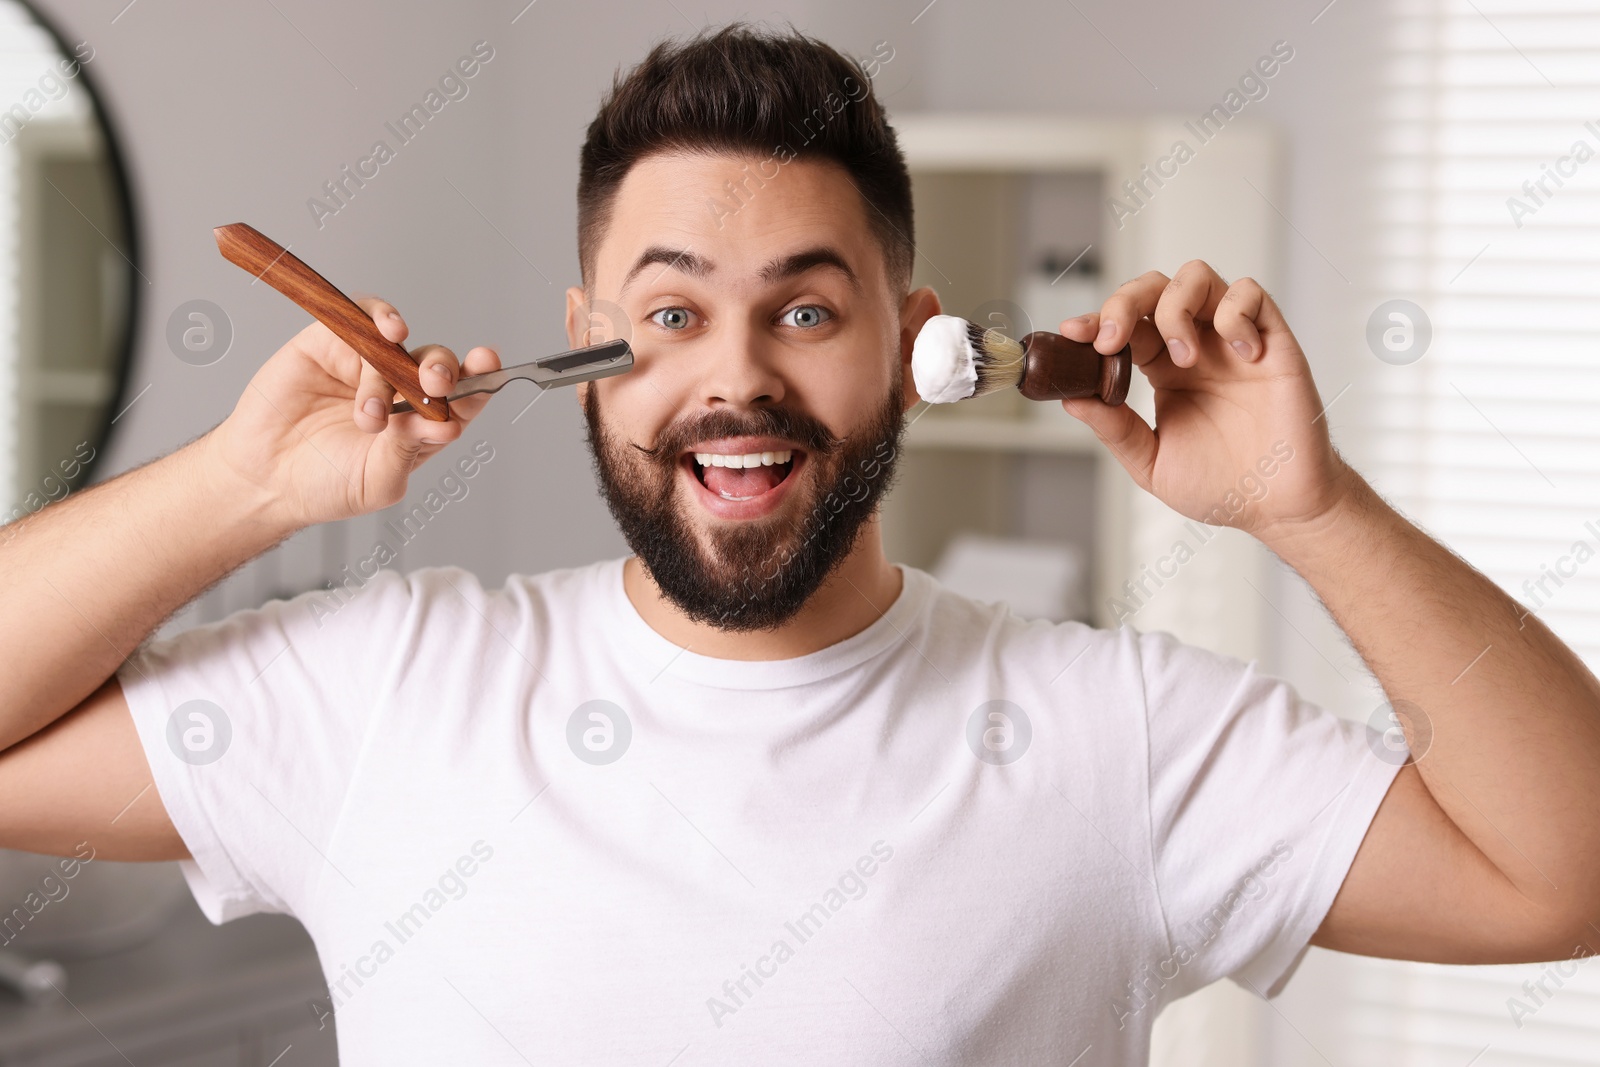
<point x="751" y="574"/>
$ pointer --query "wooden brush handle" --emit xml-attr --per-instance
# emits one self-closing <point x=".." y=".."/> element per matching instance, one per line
<point x="247" y="247"/>
<point x="1055" y="368"/>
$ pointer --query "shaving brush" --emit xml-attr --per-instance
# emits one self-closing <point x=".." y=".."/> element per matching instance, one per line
<point x="954" y="359"/>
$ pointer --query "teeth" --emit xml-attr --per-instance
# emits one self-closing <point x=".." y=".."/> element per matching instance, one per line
<point x="749" y="459"/>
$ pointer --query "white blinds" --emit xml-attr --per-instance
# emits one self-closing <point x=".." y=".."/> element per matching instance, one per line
<point x="1420" y="1015"/>
<point x="1491" y="440"/>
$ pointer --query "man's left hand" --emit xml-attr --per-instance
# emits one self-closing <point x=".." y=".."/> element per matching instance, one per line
<point x="1240" y="437"/>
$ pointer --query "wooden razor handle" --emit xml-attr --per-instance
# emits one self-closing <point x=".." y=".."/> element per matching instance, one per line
<point x="1055" y="368"/>
<point x="245" y="246"/>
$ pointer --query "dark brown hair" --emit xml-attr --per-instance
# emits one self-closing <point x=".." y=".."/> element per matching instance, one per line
<point x="778" y="95"/>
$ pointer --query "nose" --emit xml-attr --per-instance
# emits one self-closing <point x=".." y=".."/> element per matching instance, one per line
<point x="740" y="370"/>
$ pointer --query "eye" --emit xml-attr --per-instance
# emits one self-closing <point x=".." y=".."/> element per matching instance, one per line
<point x="673" y="318"/>
<point x="806" y="316"/>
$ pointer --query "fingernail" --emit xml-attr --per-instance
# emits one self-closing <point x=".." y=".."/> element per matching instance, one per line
<point x="1178" y="350"/>
<point x="373" y="407"/>
<point x="395" y="315"/>
<point x="1106" y="330"/>
<point x="439" y="372"/>
<point x="1242" y="348"/>
<point x="430" y="441"/>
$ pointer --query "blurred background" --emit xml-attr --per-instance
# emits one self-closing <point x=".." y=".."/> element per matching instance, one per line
<point x="1412" y="179"/>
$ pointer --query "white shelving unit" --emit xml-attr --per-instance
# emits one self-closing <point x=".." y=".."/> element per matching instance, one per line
<point x="967" y="464"/>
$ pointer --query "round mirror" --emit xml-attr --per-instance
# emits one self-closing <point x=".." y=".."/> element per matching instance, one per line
<point x="69" y="274"/>
<point x="69" y="285"/>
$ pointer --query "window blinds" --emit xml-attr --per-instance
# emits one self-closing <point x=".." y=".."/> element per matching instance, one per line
<point x="1487" y="204"/>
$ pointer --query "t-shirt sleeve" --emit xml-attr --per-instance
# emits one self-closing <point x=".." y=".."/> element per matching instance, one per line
<point x="253" y="726"/>
<point x="1258" y="803"/>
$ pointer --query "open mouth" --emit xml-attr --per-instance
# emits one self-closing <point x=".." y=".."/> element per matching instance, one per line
<point x="742" y="476"/>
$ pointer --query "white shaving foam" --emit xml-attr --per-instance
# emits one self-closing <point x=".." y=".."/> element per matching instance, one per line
<point x="943" y="364"/>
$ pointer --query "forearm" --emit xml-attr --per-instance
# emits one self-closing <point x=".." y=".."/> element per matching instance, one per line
<point x="1514" y="715"/>
<point x="83" y="581"/>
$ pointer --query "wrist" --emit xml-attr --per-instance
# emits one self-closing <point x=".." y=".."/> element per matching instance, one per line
<point x="223" y="494"/>
<point x="1348" y="510"/>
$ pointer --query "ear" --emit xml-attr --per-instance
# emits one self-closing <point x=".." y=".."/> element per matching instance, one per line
<point x="577" y="320"/>
<point x="917" y="308"/>
<point x="577" y="327"/>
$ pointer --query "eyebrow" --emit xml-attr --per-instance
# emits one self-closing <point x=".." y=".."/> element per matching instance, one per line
<point x="681" y="258"/>
<point x="783" y="267"/>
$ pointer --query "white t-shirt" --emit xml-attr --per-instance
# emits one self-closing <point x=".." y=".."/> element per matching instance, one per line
<point x="523" y="827"/>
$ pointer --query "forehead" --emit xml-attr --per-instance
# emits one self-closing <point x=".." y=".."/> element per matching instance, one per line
<point x="737" y="212"/>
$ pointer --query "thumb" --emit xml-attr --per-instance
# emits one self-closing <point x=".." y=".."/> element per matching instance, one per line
<point x="1120" y="429"/>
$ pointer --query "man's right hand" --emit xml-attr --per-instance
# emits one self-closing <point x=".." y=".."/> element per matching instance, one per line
<point x="312" y="438"/>
<point x="88" y="578"/>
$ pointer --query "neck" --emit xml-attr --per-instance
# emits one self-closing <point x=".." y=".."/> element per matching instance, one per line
<point x="852" y="598"/>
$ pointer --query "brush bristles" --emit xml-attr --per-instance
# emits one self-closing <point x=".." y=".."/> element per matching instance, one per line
<point x="998" y="359"/>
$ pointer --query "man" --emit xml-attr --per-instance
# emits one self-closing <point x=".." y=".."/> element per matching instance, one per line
<point x="756" y="794"/>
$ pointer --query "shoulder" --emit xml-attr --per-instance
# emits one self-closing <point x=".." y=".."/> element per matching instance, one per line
<point x="446" y="622"/>
<point x="396" y="603"/>
<point x="1164" y="656"/>
<point x="1072" y="655"/>
<point x="962" y="628"/>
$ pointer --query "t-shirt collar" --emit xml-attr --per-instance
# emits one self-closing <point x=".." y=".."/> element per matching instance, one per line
<point x="891" y="628"/>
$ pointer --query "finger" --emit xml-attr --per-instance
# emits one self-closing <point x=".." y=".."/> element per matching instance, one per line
<point x="407" y="440"/>
<point x="1191" y="296"/>
<point x="338" y="359"/>
<point x="1146" y="342"/>
<point x="1245" y="312"/>
<point x="373" y="397"/>
<point x="1131" y="302"/>
<point x="437" y="368"/>
<point x="341" y="362"/>
<point x="1122" y="430"/>
<point x="1082" y="328"/>
<point x="480" y="360"/>
<point x="1163" y="374"/>
<point x="410" y="433"/>
<point x="386" y="316"/>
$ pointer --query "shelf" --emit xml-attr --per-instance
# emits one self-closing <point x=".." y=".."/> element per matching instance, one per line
<point x="1027" y="434"/>
<point x="89" y="387"/>
<point x="976" y="141"/>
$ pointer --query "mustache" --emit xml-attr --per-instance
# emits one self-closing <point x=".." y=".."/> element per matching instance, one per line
<point x="791" y="425"/>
